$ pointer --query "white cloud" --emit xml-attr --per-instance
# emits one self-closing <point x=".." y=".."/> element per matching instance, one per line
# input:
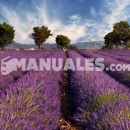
<point x="118" y="11"/>
<point x="74" y="18"/>
<point x="23" y="27"/>
<point x="76" y="28"/>
<point x="93" y="11"/>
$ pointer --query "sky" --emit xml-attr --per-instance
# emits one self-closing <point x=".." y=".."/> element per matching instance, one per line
<point x="80" y="20"/>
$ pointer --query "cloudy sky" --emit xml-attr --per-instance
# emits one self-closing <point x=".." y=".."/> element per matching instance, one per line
<point x="80" y="20"/>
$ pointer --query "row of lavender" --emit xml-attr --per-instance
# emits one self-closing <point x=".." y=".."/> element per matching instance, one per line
<point x="124" y="56"/>
<point x="31" y="102"/>
<point x="119" y="52"/>
<point x="98" y="101"/>
<point x="121" y="76"/>
<point x="15" y="75"/>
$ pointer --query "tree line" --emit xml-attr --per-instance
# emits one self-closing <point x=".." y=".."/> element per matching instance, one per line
<point x="118" y="38"/>
<point x="39" y="35"/>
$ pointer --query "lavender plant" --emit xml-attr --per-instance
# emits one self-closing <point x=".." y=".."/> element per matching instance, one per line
<point x="99" y="101"/>
<point x="13" y="76"/>
<point x="32" y="103"/>
<point x="121" y="76"/>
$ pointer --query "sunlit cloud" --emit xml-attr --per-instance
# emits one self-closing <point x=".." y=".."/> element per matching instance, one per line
<point x="24" y="26"/>
<point x="76" y="27"/>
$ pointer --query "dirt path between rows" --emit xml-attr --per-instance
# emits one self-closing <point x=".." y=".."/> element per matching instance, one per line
<point x="66" y="104"/>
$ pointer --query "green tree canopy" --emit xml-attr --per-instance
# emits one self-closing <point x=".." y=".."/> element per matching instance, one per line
<point x="120" y="36"/>
<point x="111" y="40"/>
<point x="72" y="47"/>
<point x="40" y="35"/>
<point x="7" y="34"/>
<point x="62" y="41"/>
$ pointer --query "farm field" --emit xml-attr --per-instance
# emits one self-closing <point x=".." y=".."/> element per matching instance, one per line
<point x="65" y="99"/>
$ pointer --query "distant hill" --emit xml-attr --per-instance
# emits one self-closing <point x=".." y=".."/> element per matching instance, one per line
<point x="83" y="45"/>
<point x="27" y="46"/>
<point x="90" y="45"/>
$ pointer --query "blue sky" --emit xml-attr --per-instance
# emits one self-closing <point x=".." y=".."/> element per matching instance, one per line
<point x="80" y="20"/>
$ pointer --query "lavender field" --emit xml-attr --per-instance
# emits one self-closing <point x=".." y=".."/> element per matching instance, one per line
<point x="66" y="99"/>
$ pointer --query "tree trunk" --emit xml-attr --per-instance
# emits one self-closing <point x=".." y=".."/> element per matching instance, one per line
<point x="2" y="48"/>
<point x="40" y="47"/>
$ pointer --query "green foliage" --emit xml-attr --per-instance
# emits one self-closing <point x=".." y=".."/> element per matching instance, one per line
<point x="105" y="99"/>
<point x="102" y="100"/>
<point x="40" y="35"/>
<point x="62" y="41"/>
<point x="66" y="47"/>
<point x="72" y="47"/>
<point x="120" y="36"/>
<point x="110" y="40"/>
<point x="7" y="34"/>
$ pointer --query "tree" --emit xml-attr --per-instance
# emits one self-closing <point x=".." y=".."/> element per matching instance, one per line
<point x="7" y="34"/>
<point x="40" y="35"/>
<point x="62" y="41"/>
<point x="72" y="47"/>
<point x="66" y="47"/>
<point x="111" y="40"/>
<point x="122" y="30"/>
<point x="120" y="36"/>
